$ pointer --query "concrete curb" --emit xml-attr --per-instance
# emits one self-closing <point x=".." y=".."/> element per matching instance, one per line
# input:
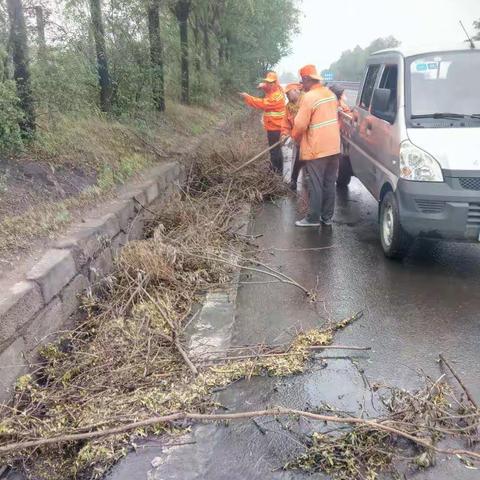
<point x="213" y="327"/>
<point x="32" y="310"/>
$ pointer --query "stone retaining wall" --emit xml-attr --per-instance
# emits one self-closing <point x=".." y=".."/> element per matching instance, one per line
<point x="33" y="310"/>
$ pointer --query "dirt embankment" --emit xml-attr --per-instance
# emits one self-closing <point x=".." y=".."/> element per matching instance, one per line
<point x="81" y="163"/>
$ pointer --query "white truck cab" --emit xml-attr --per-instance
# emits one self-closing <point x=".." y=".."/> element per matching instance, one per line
<point x="413" y="140"/>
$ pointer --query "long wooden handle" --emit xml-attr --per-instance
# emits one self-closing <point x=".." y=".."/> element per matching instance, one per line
<point x="263" y="152"/>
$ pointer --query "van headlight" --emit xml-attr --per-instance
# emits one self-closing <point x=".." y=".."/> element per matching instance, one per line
<point x="417" y="165"/>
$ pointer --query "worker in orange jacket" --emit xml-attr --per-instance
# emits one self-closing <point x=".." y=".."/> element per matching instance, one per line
<point x="273" y="106"/>
<point x="317" y="130"/>
<point x="293" y="91"/>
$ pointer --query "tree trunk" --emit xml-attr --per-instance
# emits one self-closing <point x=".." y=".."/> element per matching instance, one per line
<point x="182" y="12"/>
<point x="185" y="66"/>
<point x="104" y="79"/>
<point x="21" y="73"/>
<point x="196" y="36"/>
<point x="156" y="55"/>
<point x="222" y="51"/>
<point x="206" y="46"/>
<point x="217" y="15"/>
<point x="42" y="43"/>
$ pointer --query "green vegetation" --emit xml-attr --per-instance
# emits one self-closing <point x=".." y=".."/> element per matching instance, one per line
<point x="10" y="117"/>
<point x="92" y="92"/>
<point x="351" y="64"/>
<point x="129" y="58"/>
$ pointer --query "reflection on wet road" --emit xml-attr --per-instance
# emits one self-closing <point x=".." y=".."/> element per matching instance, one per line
<point x="414" y="310"/>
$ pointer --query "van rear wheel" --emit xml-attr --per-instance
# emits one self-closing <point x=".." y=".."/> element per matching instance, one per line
<point x="395" y="241"/>
<point x="344" y="172"/>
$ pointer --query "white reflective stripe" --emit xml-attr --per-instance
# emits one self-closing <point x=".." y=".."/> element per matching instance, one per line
<point x="313" y="126"/>
<point x="324" y="100"/>
<point x="274" y="114"/>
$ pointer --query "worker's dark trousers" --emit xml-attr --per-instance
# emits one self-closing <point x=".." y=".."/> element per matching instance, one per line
<point x="276" y="154"/>
<point x="297" y="166"/>
<point x="322" y="176"/>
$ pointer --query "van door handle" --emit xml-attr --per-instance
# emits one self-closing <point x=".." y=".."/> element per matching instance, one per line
<point x="369" y="127"/>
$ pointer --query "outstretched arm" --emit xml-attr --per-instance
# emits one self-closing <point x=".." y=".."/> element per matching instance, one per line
<point x="272" y="102"/>
<point x="255" y="102"/>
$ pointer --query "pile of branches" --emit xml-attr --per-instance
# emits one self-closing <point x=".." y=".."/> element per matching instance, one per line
<point x="414" y="428"/>
<point x="125" y="372"/>
<point x="126" y="360"/>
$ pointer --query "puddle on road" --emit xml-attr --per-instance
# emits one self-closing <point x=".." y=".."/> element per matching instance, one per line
<point x="248" y="450"/>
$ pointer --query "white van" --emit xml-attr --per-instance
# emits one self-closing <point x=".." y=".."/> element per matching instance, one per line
<point x="413" y="140"/>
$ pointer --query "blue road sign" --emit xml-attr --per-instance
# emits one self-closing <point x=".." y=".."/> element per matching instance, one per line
<point x="328" y="76"/>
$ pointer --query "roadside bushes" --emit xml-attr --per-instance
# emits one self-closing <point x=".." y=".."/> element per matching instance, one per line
<point x="63" y="83"/>
<point x="10" y="117"/>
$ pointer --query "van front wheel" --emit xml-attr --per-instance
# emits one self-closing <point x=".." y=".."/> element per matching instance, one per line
<point x="395" y="241"/>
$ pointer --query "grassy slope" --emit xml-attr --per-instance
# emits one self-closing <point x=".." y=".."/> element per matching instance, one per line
<point x="81" y="161"/>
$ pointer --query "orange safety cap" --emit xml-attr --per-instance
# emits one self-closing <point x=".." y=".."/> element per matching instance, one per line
<point x="271" y="77"/>
<point x="310" y="71"/>
<point x="293" y="86"/>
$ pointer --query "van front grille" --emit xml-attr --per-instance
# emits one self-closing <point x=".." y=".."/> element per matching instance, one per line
<point x="474" y="214"/>
<point x="430" y="206"/>
<point x="470" y="183"/>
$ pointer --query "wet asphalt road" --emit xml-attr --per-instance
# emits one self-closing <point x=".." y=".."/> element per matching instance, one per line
<point x="413" y="310"/>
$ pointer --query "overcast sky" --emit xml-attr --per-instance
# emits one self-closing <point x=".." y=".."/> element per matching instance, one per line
<point x="330" y="27"/>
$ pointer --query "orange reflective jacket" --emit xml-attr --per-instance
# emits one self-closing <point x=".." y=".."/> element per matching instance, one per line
<point x="316" y="125"/>
<point x="273" y="106"/>
<point x="289" y="118"/>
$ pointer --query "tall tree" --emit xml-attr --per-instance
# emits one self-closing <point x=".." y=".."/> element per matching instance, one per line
<point x="19" y="46"/>
<point x="104" y="78"/>
<point x="196" y="37"/>
<point x="218" y="15"/>
<point x="182" y="12"/>
<point x="205" y="26"/>
<point x="40" y="24"/>
<point x="156" y="55"/>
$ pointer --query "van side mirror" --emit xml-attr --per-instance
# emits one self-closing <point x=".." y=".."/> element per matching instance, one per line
<point x="381" y="105"/>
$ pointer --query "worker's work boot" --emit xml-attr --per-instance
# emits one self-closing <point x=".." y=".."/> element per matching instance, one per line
<point x="305" y="222"/>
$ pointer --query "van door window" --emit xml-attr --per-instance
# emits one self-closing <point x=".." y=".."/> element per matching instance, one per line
<point x="369" y="85"/>
<point x="389" y="81"/>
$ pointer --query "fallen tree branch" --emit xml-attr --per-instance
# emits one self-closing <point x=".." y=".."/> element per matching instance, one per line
<point x="459" y="380"/>
<point x="338" y="347"/>
<point x="281" y="277"/>
<point x="174" y="329"/>
<point x="190" y="364"/>
<point x="253" y="356"/>
<point x="275" y="412"/>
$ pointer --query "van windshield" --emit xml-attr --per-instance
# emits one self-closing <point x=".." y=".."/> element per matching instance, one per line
<point x="445" y="85"/>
